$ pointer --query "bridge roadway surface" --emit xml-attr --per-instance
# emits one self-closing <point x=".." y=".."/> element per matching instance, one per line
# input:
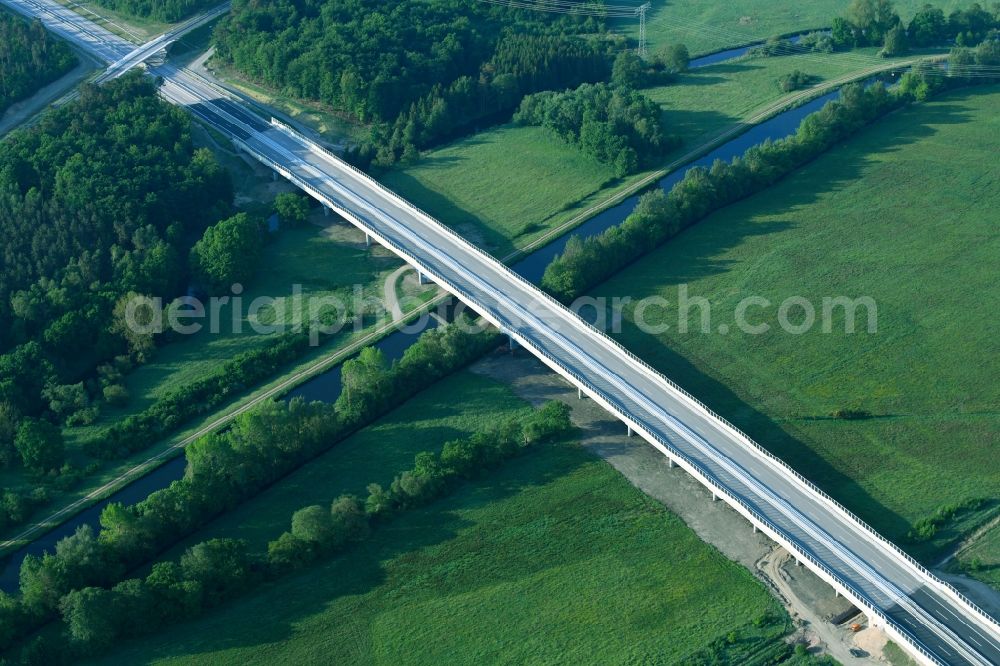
<point x="893" y="591"/>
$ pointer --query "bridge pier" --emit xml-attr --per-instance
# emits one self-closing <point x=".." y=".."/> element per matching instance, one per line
<point x="423" y="279"/>
<point x="579" y="393"/>
<point x="511" y="342"/>
<point x="628" y="431"/>
<point x="326" y="211"/>
<point x="368" y="240"/>
<point x="715" y="498"/>
<point x="274" y="176"/>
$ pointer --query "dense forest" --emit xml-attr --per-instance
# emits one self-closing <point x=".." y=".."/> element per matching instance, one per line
<point x="30" y="57"/>
<point x="616" y="125"/>
<point x="421" y="71"/>
<point x="522" y="64"/>
<point x="370" y="60"/>
<point x="100" y="200"/>
<point x="168" y="11"/>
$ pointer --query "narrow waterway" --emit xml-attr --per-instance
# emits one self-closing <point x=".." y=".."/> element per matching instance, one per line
<point x="326" y="387"/>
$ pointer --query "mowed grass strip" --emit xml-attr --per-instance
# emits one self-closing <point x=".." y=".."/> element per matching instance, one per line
<point x="505" y="187"/>
<point x="554" y="557"/>
<point x="708" y="99"/>
<point x="905" y="213"/>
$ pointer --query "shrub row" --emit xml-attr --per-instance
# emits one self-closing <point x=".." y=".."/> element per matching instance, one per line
<point x="220" y="569"/>
<point x="659" y="216"/>
<point x="198" y="397"/>
<point x="224" y="469"/>
<point x="926" y="529"/>
<point x="616" y="125"/>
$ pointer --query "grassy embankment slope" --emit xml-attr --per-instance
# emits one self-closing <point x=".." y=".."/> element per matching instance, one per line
<point x="554" y="557"/>
<point x="707" y="27"/>
<point x="506" y="187"/>
<point x="981" y="559"/>
<point x="904" y="213"/>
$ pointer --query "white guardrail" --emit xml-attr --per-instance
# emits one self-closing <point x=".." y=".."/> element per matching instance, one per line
<point x="690" y="464"/>
<point x="643" y="365"/>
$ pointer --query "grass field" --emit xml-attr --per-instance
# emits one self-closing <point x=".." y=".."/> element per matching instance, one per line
<point x="554" y="558"/>
<point x="711" y="26"/>
<point x="312" y="257"/>
<point x="711" y="98"/>
<point x="505" y="187"/>
<point x="501" y="187"/>
<point x="133" y="28"/>
<point x="905" y="213"/>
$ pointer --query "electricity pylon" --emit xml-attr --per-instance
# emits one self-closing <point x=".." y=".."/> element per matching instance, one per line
<point x="641" y="11"/>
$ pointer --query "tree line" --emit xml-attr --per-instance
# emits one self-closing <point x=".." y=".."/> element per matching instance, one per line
<point x="224" y="469"/>
<point x="521" y="64"/>
<point x="372" y="62"/>
<point x="876" y="23"/>
<point x="79" y="241"/>
<point x="167" y="11"/>
<point x="614" y="124"/>
<point x="30" y="57"/>
<point x="659" y="216"/>
<point x="220" y="569"/>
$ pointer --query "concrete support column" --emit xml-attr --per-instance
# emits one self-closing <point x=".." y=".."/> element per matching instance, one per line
<point x="326" y="212"/>
<point x="579" y="393"/>
<point x="670" y="463"/>
<point x="274" y="175"/>
<point x="754" y="529"/>
<point x="368" y="240"/>
<point x="628" y="430"/>
<point x="715" y="498"/>
<point x="511" y="342"/>
<point x="423" y="279"/>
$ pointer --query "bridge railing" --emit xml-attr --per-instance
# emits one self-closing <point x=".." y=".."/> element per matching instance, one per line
<point x="704" y="474"/>
<point x="764" y="522"/>
<point x="646" y="368"/>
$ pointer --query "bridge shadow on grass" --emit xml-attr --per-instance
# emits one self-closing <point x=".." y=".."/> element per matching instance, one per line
<point x="693" y="255"/>
<point x="277" y="611"/>
<point x="439" y="206"/>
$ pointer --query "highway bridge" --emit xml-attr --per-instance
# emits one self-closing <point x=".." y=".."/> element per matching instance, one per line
<point x="929" y="618"/>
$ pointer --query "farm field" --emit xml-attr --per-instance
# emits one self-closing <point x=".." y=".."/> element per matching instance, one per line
<point x="706" y="27"/>
<point x="505" y="187"/>
<point x="553" y="557"/>
<point x="904" y="214"/>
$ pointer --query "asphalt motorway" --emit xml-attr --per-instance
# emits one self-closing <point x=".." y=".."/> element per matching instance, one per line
<point x="825" y="537"/>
